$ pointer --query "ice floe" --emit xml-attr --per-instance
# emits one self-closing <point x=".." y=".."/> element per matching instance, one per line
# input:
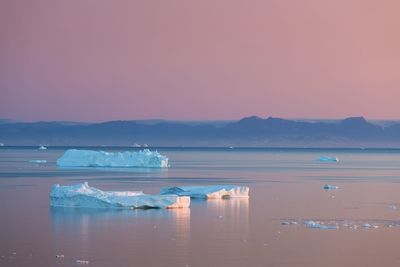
<point x="42" y="148"/>
<point x="211" y="191"/>
<point x="89" y="158"/>
<point x="84" y="196"/>
<point x="330" y="187"/>
<point x="319" y="225"/>
<point x="342" y="224"/>
<point x="328" y="159"/>
<point x="38" y="161"/>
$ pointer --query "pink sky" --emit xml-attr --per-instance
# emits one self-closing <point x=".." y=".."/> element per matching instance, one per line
<point x="95" y="60"/>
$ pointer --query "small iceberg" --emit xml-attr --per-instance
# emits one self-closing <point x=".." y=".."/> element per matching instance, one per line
<point x="212" y="191"/>
<point x="42" y="148"/>
<point x="328" y="159"/>
<point x="89" y="158"/>
<point x="314" y="224"/>
<point x="84" y="196"/>
<point x="330" y="187"/>
<point x="37" y="161"/>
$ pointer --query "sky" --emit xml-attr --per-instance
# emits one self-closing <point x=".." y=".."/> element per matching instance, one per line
<point x="98" y="60"/>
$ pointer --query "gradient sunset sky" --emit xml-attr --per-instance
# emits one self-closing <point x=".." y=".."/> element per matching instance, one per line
<point x="94" y="60"/>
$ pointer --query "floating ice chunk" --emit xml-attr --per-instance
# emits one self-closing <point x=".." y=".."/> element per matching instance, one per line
<point x="42" y="148"/>
<point x="330" y="187"/>
<point x="38" y="161"/>
<point x="84" y="196"/>
<point x="88" y="158"/>
<point x="211" y="191"/>
<point x="314" y="224"/>
<point x="328" y="159"/>
<point x="82" y="262"/>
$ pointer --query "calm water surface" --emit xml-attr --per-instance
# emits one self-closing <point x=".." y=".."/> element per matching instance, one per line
<point x="284" y="184"/>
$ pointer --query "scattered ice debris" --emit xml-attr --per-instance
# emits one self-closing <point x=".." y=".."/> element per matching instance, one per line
<point x="42" y="148"/>
<point x="368" y="226"/>
<point x="89" y="158"/>
<point x="342" y="224"/>
<point x="61" y="256"/>
<point x="330" y="187"/>
<point x="289" y="223"/>
<point x="328" y="159"/>
<point x="211" y="191"/>
<point x="319" y="225"/>
<point x="38" y="161"/>
<point x="84" y="196"/>
<point x="82" y="262"/>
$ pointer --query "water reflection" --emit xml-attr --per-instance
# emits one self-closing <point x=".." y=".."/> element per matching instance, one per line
<point x="127" y="234"/>
<point x="235" y="211"/>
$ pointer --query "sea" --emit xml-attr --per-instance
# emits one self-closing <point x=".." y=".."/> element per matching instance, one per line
<point x="288" y="220"/>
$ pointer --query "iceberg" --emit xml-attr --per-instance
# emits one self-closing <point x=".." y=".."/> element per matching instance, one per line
<point x="211" y="191"/>
<point x="42" y="148"/>
<point x="330" y="187"/>
<point x="84" y="196"/>
<point x="328" y="159"/>
<point x="89" y="158"/>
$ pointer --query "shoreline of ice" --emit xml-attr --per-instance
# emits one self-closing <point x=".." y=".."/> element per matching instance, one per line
<point x="90" y="158"/>
<point x="84" y="196"/>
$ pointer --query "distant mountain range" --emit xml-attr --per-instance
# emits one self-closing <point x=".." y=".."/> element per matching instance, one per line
<point x="250" y="132"/>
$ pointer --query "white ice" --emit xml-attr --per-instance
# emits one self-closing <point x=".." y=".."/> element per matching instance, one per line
<point x="42" y="148"/>
<point x="328" y="159"/>
<point x="84" y="196"/>
<point x="89" y="158"/>
<point x="211" y="191"/>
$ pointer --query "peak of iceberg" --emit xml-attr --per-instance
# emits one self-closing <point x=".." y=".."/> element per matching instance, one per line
<point x="84" y="196"/>
<point x="211" y="191"/>
<point x="89" y="158"/>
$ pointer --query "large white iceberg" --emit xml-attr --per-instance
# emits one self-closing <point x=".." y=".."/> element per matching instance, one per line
<point x="211" y="191"/>
<point x="89" y="158"/>
<point x="84" y="196"/>
<point x="328" y="159"/>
